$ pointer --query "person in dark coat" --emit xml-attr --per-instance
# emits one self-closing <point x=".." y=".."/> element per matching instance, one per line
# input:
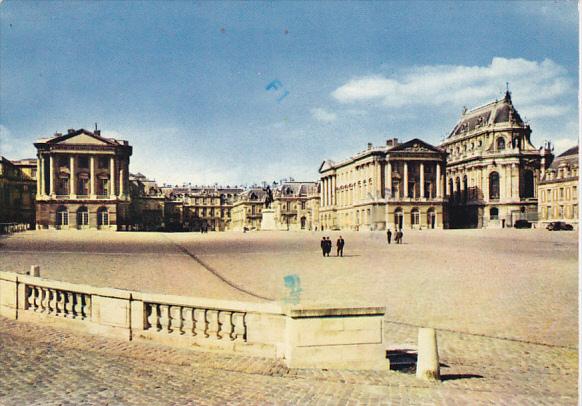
<point x="327" y="246"/>
<point x="323" y="246"/>
<point x="389" y="235"/>
<point x="399" y="236"/>
<point x="340" y="247"/>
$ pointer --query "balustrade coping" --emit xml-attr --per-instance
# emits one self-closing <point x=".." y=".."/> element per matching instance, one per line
<point x="274" y="308"/>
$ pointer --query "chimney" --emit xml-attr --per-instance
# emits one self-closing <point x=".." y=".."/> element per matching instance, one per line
<point x="369" y="145"/>
<point x="392" y="143"/>
<point x="70" y="130"/>
<point x="97" y="132"/>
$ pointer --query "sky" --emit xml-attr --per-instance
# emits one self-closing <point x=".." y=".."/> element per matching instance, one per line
<point x="245" y="92"/>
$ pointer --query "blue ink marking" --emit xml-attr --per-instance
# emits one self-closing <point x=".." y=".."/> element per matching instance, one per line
<point x="275" y="84"/>
<point x="292" y="282"/>
<point x="282" y="97"/>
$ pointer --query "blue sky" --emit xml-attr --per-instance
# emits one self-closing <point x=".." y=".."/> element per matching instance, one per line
<point x="186" y="82"/>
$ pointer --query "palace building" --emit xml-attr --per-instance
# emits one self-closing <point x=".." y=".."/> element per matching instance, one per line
<point x="17" y="191"/>
<point x="296" y="205"/>
<point x="558" y="189"/>
<point x="82" y="182"/>
<point x="492" y="167"/>
<point x="247" y="210"/>
<point x="393" y="186"/>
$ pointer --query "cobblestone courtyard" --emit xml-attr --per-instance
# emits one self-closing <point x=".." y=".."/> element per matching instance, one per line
<point x="504" y="303"/>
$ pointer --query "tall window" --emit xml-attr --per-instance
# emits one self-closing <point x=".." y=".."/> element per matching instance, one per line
<point x="493" y="185"/>
<point x="102" y="217"/>
<point x="82" y="216"/>
<point x="62" y="217"/>
<point x="528" y="184"/>
<point x="494" y="213"/>
<point x="500" y="144"/>
<point x="103" y="187"/>
<point x="83" y="186"/>
<point x="63" y="186"/>
<point x="415" y="217"/>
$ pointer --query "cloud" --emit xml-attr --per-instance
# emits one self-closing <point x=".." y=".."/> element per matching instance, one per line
<point x="323" y="115"/>
<point x="562" y="144"/>
<point x="533" y="84"/>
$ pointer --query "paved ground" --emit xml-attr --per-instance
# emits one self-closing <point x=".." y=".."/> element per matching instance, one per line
<point x="505" y="304"/>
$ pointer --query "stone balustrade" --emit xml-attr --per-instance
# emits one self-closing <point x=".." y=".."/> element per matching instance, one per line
<point x="304" y="336"/>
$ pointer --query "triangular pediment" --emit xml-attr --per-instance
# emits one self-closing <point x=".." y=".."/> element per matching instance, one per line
<point x="416" y="145"/>
<point x="80" y="137"/>
<point x="325" y="165"/>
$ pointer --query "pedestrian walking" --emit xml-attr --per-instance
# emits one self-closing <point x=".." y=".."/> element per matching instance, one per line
<point x="340" y="247"/>
<point x="389" y="235"/>
<point x="399" y="235"/>
<point x="327" y="246"/>
<point x="323" y="246"/>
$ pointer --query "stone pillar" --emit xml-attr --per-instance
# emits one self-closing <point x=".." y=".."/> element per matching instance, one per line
<point x="379" y="180"/>
<point x="112" y="177"/>
<point x="405" y="186"/>
<point x="514" y="182"/>
<point x="333" y="194"/>
<point x="438" y="181"/>
<point x="422" y="180"/>
<point x="389" y="179"/>
<point x="321" y="194"/>
<point x="427" y="366"/>
<point x="52" y="174"/>
<point x="121" y="179"/>
<point x="92" y="176"/>
<point x="39" y="176"/>
<point x="72" y="178"/>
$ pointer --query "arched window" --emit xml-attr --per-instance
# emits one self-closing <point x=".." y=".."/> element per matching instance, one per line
<point x="398" y="218"/>
<point x="458" y="190"/>
<point x="494" y="213"/>
<point x="303" y="222"/>
<point x="415" y="217"/>
<point x="102" y="217"/>
<point x="528" y="184"/>
<point x="62" y="216"/>
<point x="500" y="144"/>
<point x="83" y="216"/>
<point x="493" y="185"/>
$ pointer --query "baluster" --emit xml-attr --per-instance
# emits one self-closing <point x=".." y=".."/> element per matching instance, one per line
<point x="153" y="316"/>
<point x="225" y="325"/>
<point x="37" y="298"/>
<point x="44" y="302"/>
<point x="175" y="319"/>
<point x="239" y="330"/>
<point x="212" y="328"/>
<point x="188" y="325"/>
<point x="52" y="301"/>
<point x="165" y="318"/>
<point x="30" y="298"/>
<point x="77" y="306"/>
<point x="59" y="306"/>
<point x="69" y="306"/>
<point x="87" y="306"/>
<point x="200" y="322"/>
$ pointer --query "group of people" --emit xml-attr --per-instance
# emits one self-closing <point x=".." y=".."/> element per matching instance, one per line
<point x="397" y="237"/>
<point x="326" y="246"/>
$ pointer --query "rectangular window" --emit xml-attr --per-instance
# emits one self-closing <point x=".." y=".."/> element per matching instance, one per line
<point x="63" y="186"/>
<point x="561" y="193"/>
<point x="549" y="195"/>
<point x="103" y="162"/>
<point x="575" y="192"/>
<point x="561" y="212"/>
<point x="103" y="187"/>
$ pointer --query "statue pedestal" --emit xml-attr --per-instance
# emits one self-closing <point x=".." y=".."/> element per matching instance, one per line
<point x="268" y="220"/>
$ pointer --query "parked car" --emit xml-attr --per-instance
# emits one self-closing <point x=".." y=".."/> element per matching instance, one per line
<point x="559" y="225"/>
<point x="522" y="224"/>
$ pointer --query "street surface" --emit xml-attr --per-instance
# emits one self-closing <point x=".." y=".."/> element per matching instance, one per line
<point x="504" y="303"/>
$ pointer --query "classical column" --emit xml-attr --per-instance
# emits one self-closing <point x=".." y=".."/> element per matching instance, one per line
<point x="92" y="176"/>
<point x="52" y="174"/>
<point x="514" y="181"/>
<point x="72" y="178"/>
<point x="438" y="180"/>
<point x="389" y="179"/>
<point x="333" y="192"/>
<point x="378" y="180"/>
<point x="121" y="179"/>
<point x="38" y="176"/>
<point x="112" y="177"/>
<point x="405" y="186"/>
<point x="422" y="180"/>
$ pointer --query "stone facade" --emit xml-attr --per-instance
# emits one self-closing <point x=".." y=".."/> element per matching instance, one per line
<point x="247" y="208"/>
<point x="147" y="207"/>
<point x="17" y="191"/>
<point x="296" y="205"/>
<point x="392" y="186"/>
<point x="558" y="190"/>
<point x="83" y="181"/>
<point x="492" y="167"/>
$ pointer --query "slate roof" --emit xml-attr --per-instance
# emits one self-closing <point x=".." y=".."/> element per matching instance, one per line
<point x="499" y="111"/>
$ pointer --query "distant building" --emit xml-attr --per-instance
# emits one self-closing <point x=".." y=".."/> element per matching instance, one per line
<point x="296" y="205"/>
<point x="247" y="208"/>
<point x="392" y="186"/>
<point x="83" y="181"/>
<point x="17" y="191"/>
<point x="558" y="189"/>
<point x="147" y="207"/>
<point x="209" y="207"/>
<point x="492" y="167"/>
